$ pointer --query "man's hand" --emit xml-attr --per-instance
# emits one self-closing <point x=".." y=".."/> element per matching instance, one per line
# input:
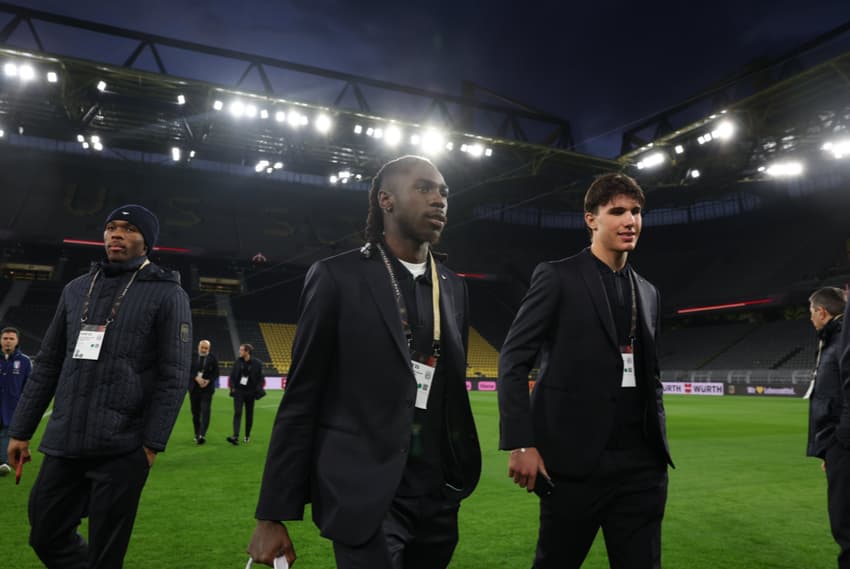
<point x="269" y="540"/>
<point x="204" y="382"/>
<point x="18" y="450"/>
<point x="523" y="466"/>
<point x="151" y="455"/>
<point x="199" y="381"/>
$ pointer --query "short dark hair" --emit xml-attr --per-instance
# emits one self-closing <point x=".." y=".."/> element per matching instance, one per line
<point x="829" y="298"/>
<point x="10" y="330"/>
<point x="374" y="219"/>
<point x="605" y="187"/>
<point x="248" y="348"/>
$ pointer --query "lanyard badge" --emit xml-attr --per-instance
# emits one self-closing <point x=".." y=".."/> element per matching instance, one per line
<point x="628" y="352"/>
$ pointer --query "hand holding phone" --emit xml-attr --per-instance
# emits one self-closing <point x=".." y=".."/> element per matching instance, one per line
<point x="279" y="563"/>
<point x="543" y="485"/>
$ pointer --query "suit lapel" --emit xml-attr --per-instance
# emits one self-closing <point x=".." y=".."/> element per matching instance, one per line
<point x="596" y="289"/>
<point x="449" y="333"/>
<point x="646" y="305"/>
<point x="378" y="283"/>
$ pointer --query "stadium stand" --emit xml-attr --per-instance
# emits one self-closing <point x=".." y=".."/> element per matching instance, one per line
<point x="278" y="339"/>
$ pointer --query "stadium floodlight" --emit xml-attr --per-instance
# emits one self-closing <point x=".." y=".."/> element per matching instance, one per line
<point x="20" y="129"/>
<point x="95" y="139"/>
<point x="10" y="70"/>
<point x="358" y="129"/>
<point x="838" y="148"/>
<point x="379" y="133"/>
<point x="415" y="139"/>
<point x="191" y="154"/>
<point x="761" y="168"/>
<point x="488" y="152"/>
<point x="304" y="120"/>
<point x="344" y="175"/>
<point x="175" y="154"/>
<point x="464" y="147"/>
<point x="294" y="118"/>
<point x="237" y="109"/>
<point x="26" y="72"/>
<point x="52" y="77"/>
<point x="264" y="114"/>
<point x="652" y="160"/>
<point x="679" y="149"/>
<point x="261" y="165"/>
<point x="392" y="136"/>
<point x="181" y="99"/>
<point x="344" y="180"/>
<point x="278" y="165"/>
<point x="280" y="116"/>
<point x="218" y="105"/>
<point x="695" y="173"/>
<point x="370" y="131"/>
<point x="85" y="145"/>
<point x="475" y="150"/>
<point x="97" y="146"/>
<point x="433" y="141"/>
<point x="333" y="179"/>
<point x="269" y="170"/>
<point x="81" y="138"/>
<point x="101" y="86"/>
<point x="724" y="131"/>
<point x="323" y="123"/>
<point x="251" y="111"/>
<point x="787" y="169"/>
<point x="450" y="145"/>
<point x="358" y="177"/>
<point x="2" y="133"/>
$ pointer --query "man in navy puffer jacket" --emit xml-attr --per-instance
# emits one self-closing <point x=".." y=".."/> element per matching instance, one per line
<point x="115" y="360"/>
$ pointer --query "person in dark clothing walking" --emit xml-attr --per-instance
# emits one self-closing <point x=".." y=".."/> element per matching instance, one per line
<point x="204" y="377"/>
<point x="15" y="369"/>
<point x="114" y="360"/>
<point x="826" y="306"/>
<point x="246" y="383"/>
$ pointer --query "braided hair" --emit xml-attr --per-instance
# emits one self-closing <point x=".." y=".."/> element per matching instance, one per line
<point x="375" y="219"/>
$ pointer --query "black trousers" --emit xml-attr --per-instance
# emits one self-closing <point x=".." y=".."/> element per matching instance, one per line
<point x="106" y="490"/>
<point x="625" y="497"/>
<point x="417" y="533"/>
<point x="201" y="403"/>
<point x="240" y="400"/>
<point x="838" y="499"/>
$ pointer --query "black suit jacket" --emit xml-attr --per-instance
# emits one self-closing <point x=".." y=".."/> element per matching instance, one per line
<point x="210" y="372"/>
<point x="256" y="381"/>
<point x="566" y="319"/>
<point x="341" y="435"/>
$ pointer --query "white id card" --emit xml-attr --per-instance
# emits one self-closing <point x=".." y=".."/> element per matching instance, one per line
<point x="424" y="375"/>
<point x="200" y="374"/>
<point x="628" y="370"/>
<point x="244" y="380"/>
<point x="89" y="342"/>
<point x="279" y="563"/>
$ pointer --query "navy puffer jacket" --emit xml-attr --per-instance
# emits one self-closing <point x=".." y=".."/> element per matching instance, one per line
<point x="131" y="395"/>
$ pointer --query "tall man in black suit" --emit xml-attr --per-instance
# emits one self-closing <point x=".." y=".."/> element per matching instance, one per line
<point x="246" y="382"/>
<point x="204" y="378"/>
<point x="375" y="428"/>
<point x="594" y="425"/>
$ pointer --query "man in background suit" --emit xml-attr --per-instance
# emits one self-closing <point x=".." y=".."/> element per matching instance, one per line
<point x="375" y="428"/>
<point x="246" y="382"/>
<point x="204" y="379"/>
<point x="594" y="426"/>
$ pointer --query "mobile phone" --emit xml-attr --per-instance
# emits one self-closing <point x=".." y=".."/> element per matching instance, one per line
<point x="543" y="485"/>
<point x="19" y="470"/>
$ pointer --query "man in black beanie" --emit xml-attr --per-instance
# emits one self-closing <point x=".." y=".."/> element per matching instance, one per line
<point x="114" y="360"/>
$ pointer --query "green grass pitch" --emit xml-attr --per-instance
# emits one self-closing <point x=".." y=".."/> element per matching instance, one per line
<point x="743" y="495"/>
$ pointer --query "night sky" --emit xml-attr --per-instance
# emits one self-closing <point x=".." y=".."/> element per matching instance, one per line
<point x="600" y="64"/>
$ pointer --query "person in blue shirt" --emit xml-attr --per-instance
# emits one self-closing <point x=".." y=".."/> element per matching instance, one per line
<point x="15" y="369"/>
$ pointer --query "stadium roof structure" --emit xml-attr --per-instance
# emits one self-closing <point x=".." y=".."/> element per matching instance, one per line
<point x="163" y="99"/>
<point x="773" y="121"/>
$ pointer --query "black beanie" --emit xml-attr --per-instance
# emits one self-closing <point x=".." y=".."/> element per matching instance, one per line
<point x="141" y="217"/>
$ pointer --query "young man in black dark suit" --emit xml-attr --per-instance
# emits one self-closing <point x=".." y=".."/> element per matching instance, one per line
<point x="594" y="425"/>
<point x="246" y="382"/>
<point x="375" y="428"/>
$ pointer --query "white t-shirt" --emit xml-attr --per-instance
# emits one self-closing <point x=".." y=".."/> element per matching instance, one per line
<point x="416" y="269"/>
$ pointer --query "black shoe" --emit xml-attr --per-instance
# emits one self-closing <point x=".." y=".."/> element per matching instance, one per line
<point x="201" y="440"/>
<point x="233" y="440"/>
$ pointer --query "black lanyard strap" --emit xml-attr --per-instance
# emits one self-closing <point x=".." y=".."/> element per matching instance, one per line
<point x="402" y="309"/>
<point x="114" y="312"/>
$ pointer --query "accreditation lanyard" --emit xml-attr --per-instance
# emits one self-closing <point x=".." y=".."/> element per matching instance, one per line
<point x="628" y="352"/>
<point x="90" y="340"/>
<point x="423" y="371"/>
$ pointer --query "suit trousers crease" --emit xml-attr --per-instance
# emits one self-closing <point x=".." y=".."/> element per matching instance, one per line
<point x="417" y="533"/>
<point x="106" y="490"/>
<point x="625" y="497"/>
<point x="201" y="404"/>
<point x="239" y="401"/>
